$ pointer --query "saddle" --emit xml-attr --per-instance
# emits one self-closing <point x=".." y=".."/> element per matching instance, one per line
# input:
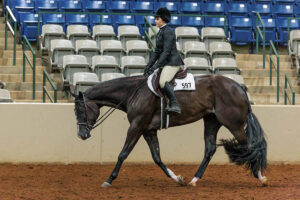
<point x="181" y="74"/>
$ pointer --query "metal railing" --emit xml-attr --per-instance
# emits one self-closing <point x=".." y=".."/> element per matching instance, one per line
<point x="272" y="52"/>
<point x="9" y="17"/>
<point x="45" y="90"/>
<point x="32" y="64"/>
<point x="262" y="35"/>
<point x="286" y="96"/>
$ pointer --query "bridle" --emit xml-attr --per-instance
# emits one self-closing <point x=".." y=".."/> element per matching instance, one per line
<point x="91" y="125"/>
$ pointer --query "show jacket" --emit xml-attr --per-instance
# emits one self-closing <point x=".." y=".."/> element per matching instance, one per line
<point x="166" y="51"/>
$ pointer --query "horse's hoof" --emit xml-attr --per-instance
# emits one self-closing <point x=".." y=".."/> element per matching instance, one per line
<point x="181" y="180"/>
<point x="192" y="184"/>
<point x="105" y="185"/>
<point x="264" y="181"/>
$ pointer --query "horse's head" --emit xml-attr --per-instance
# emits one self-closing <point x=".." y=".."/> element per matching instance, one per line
<point x="86" y="114"/>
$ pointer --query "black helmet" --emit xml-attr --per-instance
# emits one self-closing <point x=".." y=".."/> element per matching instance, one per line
<point x="164" y="14"/>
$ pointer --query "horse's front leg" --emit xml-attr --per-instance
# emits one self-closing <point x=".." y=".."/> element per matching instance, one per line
<point x="133" y="135"/>
<point x="152" y="141"/>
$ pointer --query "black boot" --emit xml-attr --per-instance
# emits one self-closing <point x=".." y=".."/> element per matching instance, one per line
<point x="174" y="106"/>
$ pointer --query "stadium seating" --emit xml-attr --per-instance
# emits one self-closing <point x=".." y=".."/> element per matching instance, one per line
<point x="241" y="30"/>
<point x="197" y="65"/>
<point x="282" y="29"/>
<point x="21" y="6"/>
<point x="77" y="32"/>
<point x="94" y="6"/>
<point x="294" y="42"/>
<point x="127" y="32"/>
<point x="212" y="34"/>
<point x="196" y="49"/>
<point x="132" y="65"/>
<point x="77" y="19"/>
<point x="84" y="80"/>
<point x="29" y="24"/>
<point x="152" y="35"/>
<point x="215" y="8"/>
<point x="238" y="9"/>
<point x="190" y="8"/>
<point x="237" y="78"/>
<point x="103" y="32"/>
<point x="172" y="6"/>
<point x="270" y="25"/>
<point x="184" y="34"/>
<point x="105" y="64"/>
<point x="111" y="76"/>
<point x="221" y="50"/>
<point x="225" y="66"/>
<point x="73" y="64"/>
<point x="70" y="6"/>
<point x="112" y="48"/>
<point x="5" y="96"/>
<point x="42" y="5"/>
<point x="50" y="32"/>
<point x="60" y="48"/>
<point x="97" y="20"/>
<point x="142" y="6"/>
<point x="283" y="10"/>
<point x="197" y="22"/>
<point x="138" y="48"/>
<point x="88" y="48"/>
<point x="58" y="19"/>
<point x="119" y="6"/>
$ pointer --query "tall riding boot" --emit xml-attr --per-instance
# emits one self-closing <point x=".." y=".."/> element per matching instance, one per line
<point x="174" y="106"/>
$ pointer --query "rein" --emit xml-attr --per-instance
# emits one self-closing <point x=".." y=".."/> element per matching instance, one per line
<point x="107" y="113"/>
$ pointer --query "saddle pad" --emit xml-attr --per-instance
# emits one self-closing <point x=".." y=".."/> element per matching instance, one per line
<point x="188" y="83"/>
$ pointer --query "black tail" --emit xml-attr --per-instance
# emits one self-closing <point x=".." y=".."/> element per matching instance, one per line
<point x="253" y="154"/>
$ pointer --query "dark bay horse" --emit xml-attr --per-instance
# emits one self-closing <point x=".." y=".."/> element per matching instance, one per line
<point x="218" y="100"/>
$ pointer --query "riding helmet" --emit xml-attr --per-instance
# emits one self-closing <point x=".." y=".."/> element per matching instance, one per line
<point x="164" y="14"/>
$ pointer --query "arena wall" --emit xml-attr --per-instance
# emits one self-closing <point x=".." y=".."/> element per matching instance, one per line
<point x="37" y="133"/>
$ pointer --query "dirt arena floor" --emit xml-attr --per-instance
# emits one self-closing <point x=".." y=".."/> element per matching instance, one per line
<point x="64" y="182"/>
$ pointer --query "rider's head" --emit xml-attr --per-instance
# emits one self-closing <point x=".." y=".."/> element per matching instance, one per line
<point x="162" y="17"/>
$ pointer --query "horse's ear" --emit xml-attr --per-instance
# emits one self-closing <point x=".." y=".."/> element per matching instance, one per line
<point x="80" y="95"/>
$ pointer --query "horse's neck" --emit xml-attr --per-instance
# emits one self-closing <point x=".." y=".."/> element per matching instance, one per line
<point x="112" y="93"/>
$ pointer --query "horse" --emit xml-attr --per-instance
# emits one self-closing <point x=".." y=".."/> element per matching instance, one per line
<point x="218" y="100"/>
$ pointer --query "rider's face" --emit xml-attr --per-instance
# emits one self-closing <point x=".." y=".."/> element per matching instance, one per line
<point x="159" y="22"/>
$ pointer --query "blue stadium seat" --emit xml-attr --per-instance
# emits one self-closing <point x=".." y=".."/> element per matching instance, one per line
<point x="214" y="8"/>
<point x="282" y="29"/>
<point x="96" y="20"/>
<point x="54" y="19"/>
<point x="77" y="19"/>
<point x="94" y="6"/>
<point x="241" y="30"/>
<point x="284" y="10"/>
<point x="21" y="6"/>
<point x="238" y="9"/>
<point x="297" y="10"/>
<point x="172" y="6"/>
<point x="216" y="22"/>
<point x="29" y="24"/>
<point x="284" y="1"/>
<point x="197" y="22"/>
<point x="140" y="21"/>
<point x="175" y="21"/>
<point x="70" y="6"/>
<point x="142" y="7"/>
<point x="270" y="25"/>
<point x="119" y="6"/>
<point x="190" y="7"/>
<point x="42" y="5"/>
<point x="124" y="19"/>
<point x="264" y="9"/>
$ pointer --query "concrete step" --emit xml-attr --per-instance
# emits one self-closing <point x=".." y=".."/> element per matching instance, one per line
<point x="271" y="99"/>
<point x="241" y="57"/>
<point x="266" y="73"/>
<point x="265" y="81"/>
<point x="10" y="46"/>
<point x="19" y="54"/>
<point x="19" y="78"/>
<point x="27" y="95"/>
<point x="19" y="62"/>
<point x="23" y="86"/>
<point x="19" y="70"/>
<point x="244" y="64"/>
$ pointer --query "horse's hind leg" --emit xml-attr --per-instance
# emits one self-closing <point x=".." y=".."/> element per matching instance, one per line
<point x="133" y="135"/>
<point x="211" y="128"/>
<point x="152" y="141"/>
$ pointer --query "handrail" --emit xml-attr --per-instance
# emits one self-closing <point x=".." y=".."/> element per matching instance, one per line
<point x="9" y="16"/>
<point x="262" y="35"/>
<point x="273" y="51"/>
<point x="286" y="96"/>
<point x="31" y="64"/>
<point x="45" y="91"/>
<point x="108" y="13"/>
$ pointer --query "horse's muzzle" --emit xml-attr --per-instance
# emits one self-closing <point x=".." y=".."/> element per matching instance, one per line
<point x="83" y="133"/>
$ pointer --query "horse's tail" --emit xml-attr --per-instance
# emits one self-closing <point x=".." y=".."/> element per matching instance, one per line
<point x="253" y="154"/>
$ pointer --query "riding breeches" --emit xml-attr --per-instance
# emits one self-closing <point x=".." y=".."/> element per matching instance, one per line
<point x="167" y="74"/>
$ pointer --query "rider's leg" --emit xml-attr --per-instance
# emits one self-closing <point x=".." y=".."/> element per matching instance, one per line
<point x="167" y="74"/>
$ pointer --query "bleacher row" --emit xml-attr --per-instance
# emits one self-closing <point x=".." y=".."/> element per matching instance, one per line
<point x="109" y="56"/>
<point x="240" y="15"/>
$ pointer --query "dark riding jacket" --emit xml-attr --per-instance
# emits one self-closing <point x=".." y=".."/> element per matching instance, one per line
<point x="166" y="51"/>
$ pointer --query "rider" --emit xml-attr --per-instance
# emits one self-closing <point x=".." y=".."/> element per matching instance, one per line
<point x="165" y="56"/>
